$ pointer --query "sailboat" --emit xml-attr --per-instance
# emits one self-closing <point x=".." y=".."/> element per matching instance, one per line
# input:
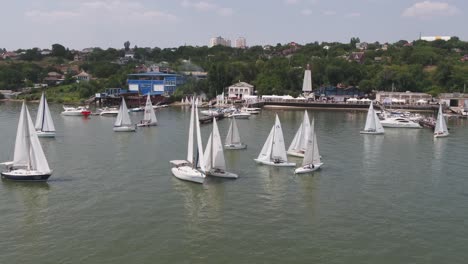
<point x="123" y="122"/>
<point x="311" y="161"/>
<point x="233" y="140"/>
<point x="299" y="143"/>
<point x="149" y="118"/>
<point x="274" y="152"/>
<point x="187" y="169"/>
<point x="29" y="161"/>
<point x="44" y="123"/>
<point x="373" y="125"/>
<point x="441" y="129"/>
<point x="214" y="156"/>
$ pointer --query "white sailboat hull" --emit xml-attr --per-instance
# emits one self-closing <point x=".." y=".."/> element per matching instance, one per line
<point x="308" y="168"/>
<point x="187" y="173"/>
<point x="296" y="154"/>
<point x="371" y="132"/>
<point x="440" y="135"/>
<point x="48" y="134"/>
<point x="147" y="124"/>
<point x="124" y="129"/>
<point x="272" y="163"/>
<point x="222" y="174"/>
<point x="26" y="175"/>
<point x="235" y="146"/>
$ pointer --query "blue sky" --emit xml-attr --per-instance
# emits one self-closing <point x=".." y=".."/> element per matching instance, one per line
<point x="79" y="24"/>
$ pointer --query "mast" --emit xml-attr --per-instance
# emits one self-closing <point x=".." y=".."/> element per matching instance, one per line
<point x="43" y="111"/>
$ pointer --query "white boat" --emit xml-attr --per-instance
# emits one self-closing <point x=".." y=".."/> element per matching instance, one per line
<point x="75" y="111"/>
<point x="398" y="122"/>
<point x="251" y="110"/>
<point x="373" y="125"/>
<point x="187" y="169"/>
<point x="299" y="144"/>
<point x="109" y="111"/>
<point x="311" y="161"/>
<point x="239" y="115"/>
<point x="215" y="164"/>
<point x="211" y="112"/>
<point x="233" y="140"/>
<point x="274" y="152"/>
<point x="149" y="118"/>
<point x="137" y="109"/>
<point x="44" y="123"/>
<point x="122" y="122"/>
<point x="29" y="161"/>
<point x="440" y="129"/>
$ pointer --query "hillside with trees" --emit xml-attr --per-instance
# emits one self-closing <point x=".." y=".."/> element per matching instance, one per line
<point x="418" y="66"/>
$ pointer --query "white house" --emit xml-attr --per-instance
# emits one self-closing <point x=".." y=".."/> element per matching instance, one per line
<point x="240" y="89"/>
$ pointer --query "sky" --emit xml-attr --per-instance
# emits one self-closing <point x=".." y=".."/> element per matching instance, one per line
<point x="79" y="24"/>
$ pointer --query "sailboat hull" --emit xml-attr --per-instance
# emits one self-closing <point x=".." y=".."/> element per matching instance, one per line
<point x="187" y="173"/>
<point x="371" y="132"/>
<point x="441" y="135"/>
<point x="25" y="175"/>
<point x="125" y="129"/>
<point x="307" y="169"/>
<point x="296" y="154"/>
<point x="147" y="124"/>
<point x="271" y="163"/>
<point x="235" y="146"/>
<point x="48" y="134"/>
<point x="222" y="174"/>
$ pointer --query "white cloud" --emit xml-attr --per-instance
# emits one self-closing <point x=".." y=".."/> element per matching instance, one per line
<point x="329" y="13"/>
<point x="205" y="6"/>
<point x="105" y="10"/>
<point x="428" y="9"/>
<point x="306" y="12"/>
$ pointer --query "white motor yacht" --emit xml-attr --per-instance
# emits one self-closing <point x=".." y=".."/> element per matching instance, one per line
<point x="399" y="122"/>
<point x="75" y="111"/>
<point x="109" y="111"/>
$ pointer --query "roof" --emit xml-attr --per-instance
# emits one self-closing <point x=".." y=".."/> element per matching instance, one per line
<point x="152" y="74"/>
<point x="242" y="84"/>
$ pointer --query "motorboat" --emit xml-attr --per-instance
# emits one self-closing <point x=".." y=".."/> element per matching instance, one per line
<point x="251" y="110"/>
<point x="398" y="121"/>
<point x="239" y="115"/>
<point x="212" y="112"/>
<point x="109" y="111"/>
<point x="75" y="111"/>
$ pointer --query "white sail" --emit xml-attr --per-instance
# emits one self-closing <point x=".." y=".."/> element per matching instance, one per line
<point x="233" y="136"/>
<point x="190" y="135"/>
<point x="295" y="143"/>
<point x="123" y="119"/>
<point x="370" y="120"/>
<point x="265" y="153"/>
<point x="149" y="115"/>
<point x="208" y="156"/>
<point x="307" y="83"/>
<point x="44" y="120"/>
<point x="299" y="142"/>
<point x="441" y="126"/>
<point x="217" y="156"/>
<point x="201" y="160"/>
<point x="312" y="155"/>
<point x="28" y="150"/>
<point x="278" y="149"/>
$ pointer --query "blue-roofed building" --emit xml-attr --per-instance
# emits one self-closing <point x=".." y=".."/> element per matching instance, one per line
<point x="154" y="83"/>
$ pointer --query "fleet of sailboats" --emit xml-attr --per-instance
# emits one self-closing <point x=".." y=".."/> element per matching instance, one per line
<point x="44" y="123"/>
<point x="214" y="155"/>
<point x="191" y="169"/>
<point x="122" y="122"/>
<point x="440" y="129"/>
<point x="29" y="161"/>
<point x="373" y="125"/>
<point x="299" y="143"/>
<point x="149" y="117"/>
<point x="274" y="152"/>
<point x="233" y="140"/>
<point x="312" y="160"/>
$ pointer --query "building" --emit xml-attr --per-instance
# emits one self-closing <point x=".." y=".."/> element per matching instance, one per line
<point x="241" y="43"/>
<point x="154" y="83"/>
<point x="433" y="38"/>
<point x="457" y="100"/>
<point x="240" y="89"/>
<point x="54" y="78"/>
<point x="219" y="41"/>
<point x="362" y="45"/>
<point x="82" y="77"/>
<point x="408" y="97"/>
<point x="357" y="57"/>
<point x="339" y="94"/>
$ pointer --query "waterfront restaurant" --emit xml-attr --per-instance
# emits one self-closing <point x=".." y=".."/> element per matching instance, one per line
<point x="406" y="97"/>
<point x="240" y="89"/>
<point x="154" y="83"/>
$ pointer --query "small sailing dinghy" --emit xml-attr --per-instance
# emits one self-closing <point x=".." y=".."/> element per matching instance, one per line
<point x="373" y="125"/>
<point x="233" y="140"/>
<point x="44" y="123"/>
<point x="311" y="161"/>
<point x="440" y="129"/>
<point x="214" y="156"/>
<point x="123" y="122"/>
<point x="149" y="118"/>
<point x="187" y="169"/>
<point x="274" y="152"/>
<point x="299" y="144"/>
<point x="29" y="161"/>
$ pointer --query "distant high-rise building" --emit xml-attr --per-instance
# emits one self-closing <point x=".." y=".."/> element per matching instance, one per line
<point x="219" y="41"/>
<point x="241" y="43"/>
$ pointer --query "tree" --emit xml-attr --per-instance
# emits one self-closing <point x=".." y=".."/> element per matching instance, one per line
<point x="127" y="45"/>
<point x="59" y="50"/>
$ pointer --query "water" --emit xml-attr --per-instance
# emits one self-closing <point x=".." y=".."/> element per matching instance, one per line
<point x="397" y="198"/>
